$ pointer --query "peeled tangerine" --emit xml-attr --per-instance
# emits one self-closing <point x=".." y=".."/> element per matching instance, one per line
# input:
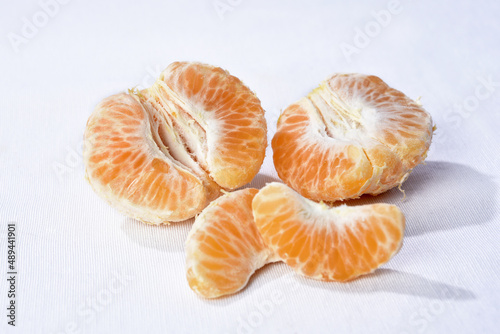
<point x="224" y="247"/>
<point x="352" y="135"/>
<point x="242" y="231"/>
<point x="162" y="154"/>
<point x="324" y="243"/>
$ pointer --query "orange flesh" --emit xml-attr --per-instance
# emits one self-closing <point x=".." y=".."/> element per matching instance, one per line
<point x="324" y="243"/>
<point x="131" y="168"/>
<point x="235" y="151"/>
<point x="352" y="135"/>
<point x="163" y="153"/>
<point x="224" y="247"/>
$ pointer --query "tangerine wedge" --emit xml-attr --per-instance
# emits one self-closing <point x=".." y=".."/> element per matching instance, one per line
<point x="162" y="154"/>
<point x="350" y="136"/>
<point x="224" y="247"/>
<point x="330" y="244"/>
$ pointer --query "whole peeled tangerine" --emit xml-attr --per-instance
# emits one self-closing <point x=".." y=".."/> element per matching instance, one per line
<point x="163" y="153"/>
<point x="352" y="135"/>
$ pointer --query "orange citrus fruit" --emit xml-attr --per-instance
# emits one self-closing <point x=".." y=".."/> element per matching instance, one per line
<point x="163" y="153"/>
<point x="350" y="136"/>
<point x="224" y="247"/>
<point x="338" y="243"/>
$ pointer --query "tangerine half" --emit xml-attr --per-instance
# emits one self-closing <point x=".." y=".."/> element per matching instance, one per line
<point x="350" y="136"/>
<point x="163" y="153"/>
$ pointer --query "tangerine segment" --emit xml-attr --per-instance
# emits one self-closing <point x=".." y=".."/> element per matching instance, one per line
<point x="350" y="136"/>
<point x="339" y="243"/>
<point x="125" y="166"/>
<point x="224" y="247"/>
<point x="233" y="119"/>
<point x="163" y="153"/>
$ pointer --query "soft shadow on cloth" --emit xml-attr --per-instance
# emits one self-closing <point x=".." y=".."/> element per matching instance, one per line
<point x="381" y="281"/>
<point x="164" y="238"/>
<point x="398" y="282"/>
<point x="441" y="196"/>
<point x="263" y="277"/>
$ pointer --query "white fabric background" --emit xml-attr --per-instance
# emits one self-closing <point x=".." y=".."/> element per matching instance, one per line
<point x="72" y="245"/>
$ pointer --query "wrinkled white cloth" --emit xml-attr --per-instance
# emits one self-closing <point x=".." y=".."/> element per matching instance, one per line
<point x="85" y="268"/>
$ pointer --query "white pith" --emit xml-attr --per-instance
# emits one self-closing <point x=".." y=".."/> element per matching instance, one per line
<point x="183" y="129"/>
<point x="206" y="145"/>
<point x="336" y="120"/>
